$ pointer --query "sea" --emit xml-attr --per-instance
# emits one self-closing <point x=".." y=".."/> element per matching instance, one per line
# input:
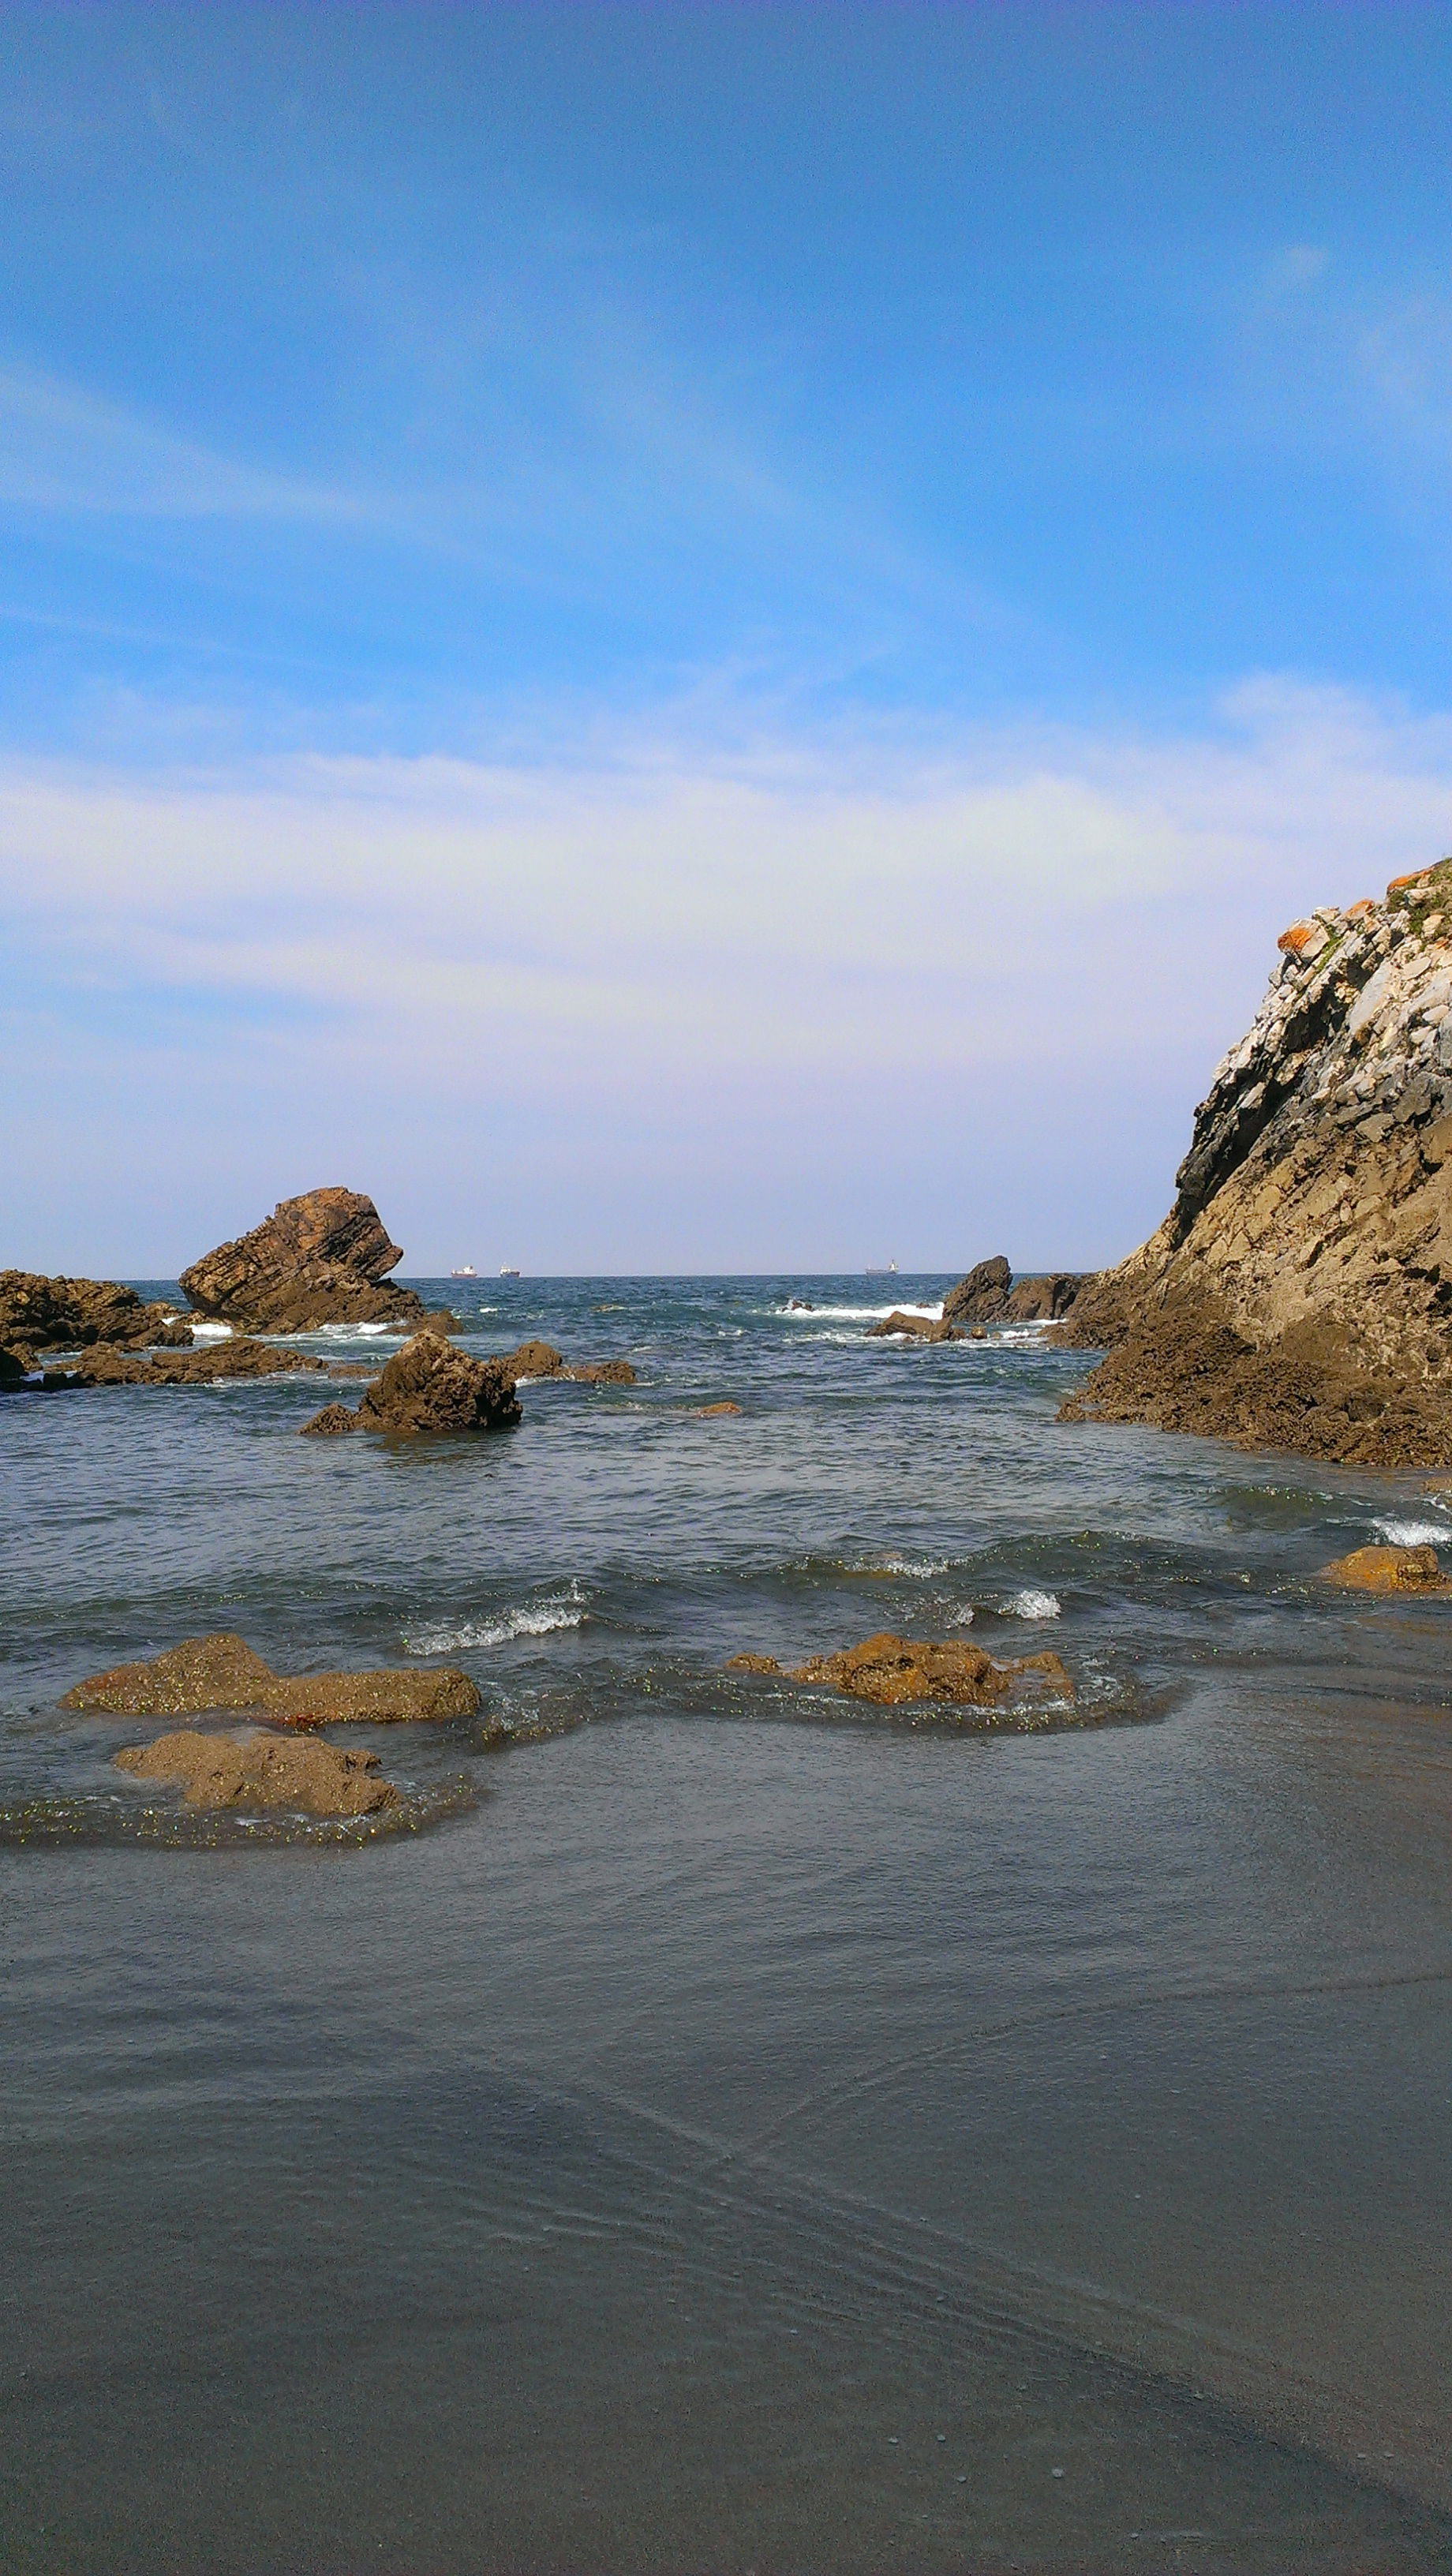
<point x="722" y="2126"/>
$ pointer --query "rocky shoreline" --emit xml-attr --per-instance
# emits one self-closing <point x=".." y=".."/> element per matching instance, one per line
<point x="1299" y="1293"/>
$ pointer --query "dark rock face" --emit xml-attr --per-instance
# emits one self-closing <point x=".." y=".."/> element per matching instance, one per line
<point x="225" y="1672"/>
<point x="1299" y="1293"/>
<point x="991" y="1295"/>
<point x="429" y="1386"/>
<point x="12" y="1370"/>
<point x="534" y="1359"/>
<point x="917" y="1328"/>
<point x="261" y="1770"/>
<point x="982" y="1297"/>
<point x="333" y="1418"/>
<point x="318" y="1259"/>
<point x="38" y="1314"/>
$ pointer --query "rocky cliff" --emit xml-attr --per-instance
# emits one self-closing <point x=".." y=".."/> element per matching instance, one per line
<point x="1299" y="1292"/>
<point x="318" y="1259"/>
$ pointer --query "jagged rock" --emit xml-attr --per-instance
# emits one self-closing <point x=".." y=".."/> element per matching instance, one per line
<point x="534" y="1359"/>
<point x="332" y="1419"/>
<point x="897" y="1671"/>
<point x="602" y="1373"/>
<point x="991" y="1295"/>
<point x="198" y="1367"/>
<point x="917" y="1328"/>
<point x="1389" y="1569"/>
<point x="264" y="1771"/>
<point x="429" y="1386"/>
<point x="40" y="1314"/>
<point x="223" y="1671"/>
<point x="981" y="1298"/>
<point x="318" y="1259"/>
<point x="1299" y="1294"/>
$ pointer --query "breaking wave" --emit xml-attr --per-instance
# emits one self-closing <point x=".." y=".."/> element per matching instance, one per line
<point x="1032" y="1605"/>
<point x="1413" y="1533"/>
<point x="530" y="1619"/>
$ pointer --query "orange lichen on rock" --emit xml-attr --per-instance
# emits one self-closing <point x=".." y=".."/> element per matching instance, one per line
<point x="1299" y="937"/>
<point x="1389" y="1569"/>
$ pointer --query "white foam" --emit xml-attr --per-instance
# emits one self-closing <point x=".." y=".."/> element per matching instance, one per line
<point x="208" y="1332"/>
<point x="1032" y="1605"/>
<point x="920" y="1567"/>
<point x="858" y="1314"/>
<point x="1414" y="1533"/>
<point x="531" y="1619"/>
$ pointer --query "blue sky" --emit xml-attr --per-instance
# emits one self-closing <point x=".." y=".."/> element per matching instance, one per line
<point x="697" y="636"/>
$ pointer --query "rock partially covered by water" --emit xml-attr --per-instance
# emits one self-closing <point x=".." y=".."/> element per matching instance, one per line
<point x="602" y="1373"/>
<point x="199" y="1367"/>
<point x="917" y="1328"/>
<point x="297" y="1772"/>
<point x="223" y="1671"/>
<point x="895" y="1670"/>
<point x="40" y="1314"/>
<point x="318" y="1259"/>
<point x="991" y="1295"/>
<point x="429" y="1386"/>
<point x="333" y="1419"/>
<point x="1389" y="1569"/>
<point x="541" y="1359"/>
<point x="1299" y="1293"/>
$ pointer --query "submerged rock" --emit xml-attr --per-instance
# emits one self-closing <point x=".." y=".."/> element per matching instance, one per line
<point x="264" y="1771"/>
<point x="223" y="1671"/>
<point x="894" y="1670"/>
<point x="318" y="1259"/>
<point x="602" y="1373"/>
<point x="712" y="1412"/>
<point x="333" y="1418"/>
<point x="1299" y="1293"/>
<point x="1389" y="1569"/>
<point x="541" y="1359"/>
<point x="41" y="1314"/>
<point x="918" y="1328"/>
<point x="199" y="1367"/>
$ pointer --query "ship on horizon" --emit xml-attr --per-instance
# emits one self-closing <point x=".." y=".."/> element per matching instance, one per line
<point x="507" y="1270"/>
<point x="465" y="1271"/>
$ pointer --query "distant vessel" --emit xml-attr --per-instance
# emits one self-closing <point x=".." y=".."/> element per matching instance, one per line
<point x="879" y="1270"/>
<point x="507" y="1270"/>
<point x="467" y="1272"/>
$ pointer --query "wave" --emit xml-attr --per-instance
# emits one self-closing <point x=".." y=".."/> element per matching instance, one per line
<point x="856" y="1314"/>
<point x="1413" y="1533"/>
<point x="1030" y="1604"/>
<point x="530" y="1619"/>
<point x="206" y="1332"/>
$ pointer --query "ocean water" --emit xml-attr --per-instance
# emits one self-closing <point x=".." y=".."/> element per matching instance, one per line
<point x="724" y="2129"/>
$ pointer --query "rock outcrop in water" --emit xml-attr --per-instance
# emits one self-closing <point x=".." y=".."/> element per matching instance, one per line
<point x="895" y="1671"/>
<point x="429" y="1386"/>
<point x="199" y="1367"/>
<point x="991" y="1295"/>
<point x="264" y="1771"/>
<point x="916" y="1328"/>
<point x="318" y="1259"/>
<point x="223" y="1671"/>
<point x="39" y="1315"/>
<point x="1299" y="1293"/>
<point x="1389" y="1569"/>
<point x="537" y="1359"/>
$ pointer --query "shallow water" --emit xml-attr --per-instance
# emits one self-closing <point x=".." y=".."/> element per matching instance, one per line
<point x="723" y="2128"/>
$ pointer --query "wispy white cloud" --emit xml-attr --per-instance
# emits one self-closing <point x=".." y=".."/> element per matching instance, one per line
<point x="64" y="448"/>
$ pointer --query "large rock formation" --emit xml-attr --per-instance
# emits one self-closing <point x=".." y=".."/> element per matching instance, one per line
<point x="318" y="1259"/>
<point x="429" y="1386"/>
<point x="991" y="1295"/>
<point x="297" y="1773"/>
<point x="1299" y="1293"/>
<point x="39" y="1314"/>
<point x="223" y="1671"/>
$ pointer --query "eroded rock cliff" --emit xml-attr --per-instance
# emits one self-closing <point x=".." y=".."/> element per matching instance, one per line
<point x="1299" y="1293"/>
<point x="318" y="1259"/>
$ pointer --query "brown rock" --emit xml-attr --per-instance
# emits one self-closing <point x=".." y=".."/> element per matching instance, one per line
<point x="429" y="1386"/>
<point x="198" y="1367"/>
<point x="332" y="1419"/>
<point x="38" y="1314"/>
<point x="709" y="1412"/>
<point x="1044" y="1297"/>
<point x="223" y="1671"/>
<point x="892" y="1670"/>
<point x="318" y="1259"/>
<point x="1305" y="1269"/>
<point x="12" y="1370"/>
<point x="978" y="1332"/>
<point x="981" y="1298"/>
<point x="918" y="1328"/>
<point x="1389" y="1569"/>
<point x="753" y="1664"/>
<point x="602" y="1373"/>
<point x="534" y="1359"/>
<point x="264" y="1771"/>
